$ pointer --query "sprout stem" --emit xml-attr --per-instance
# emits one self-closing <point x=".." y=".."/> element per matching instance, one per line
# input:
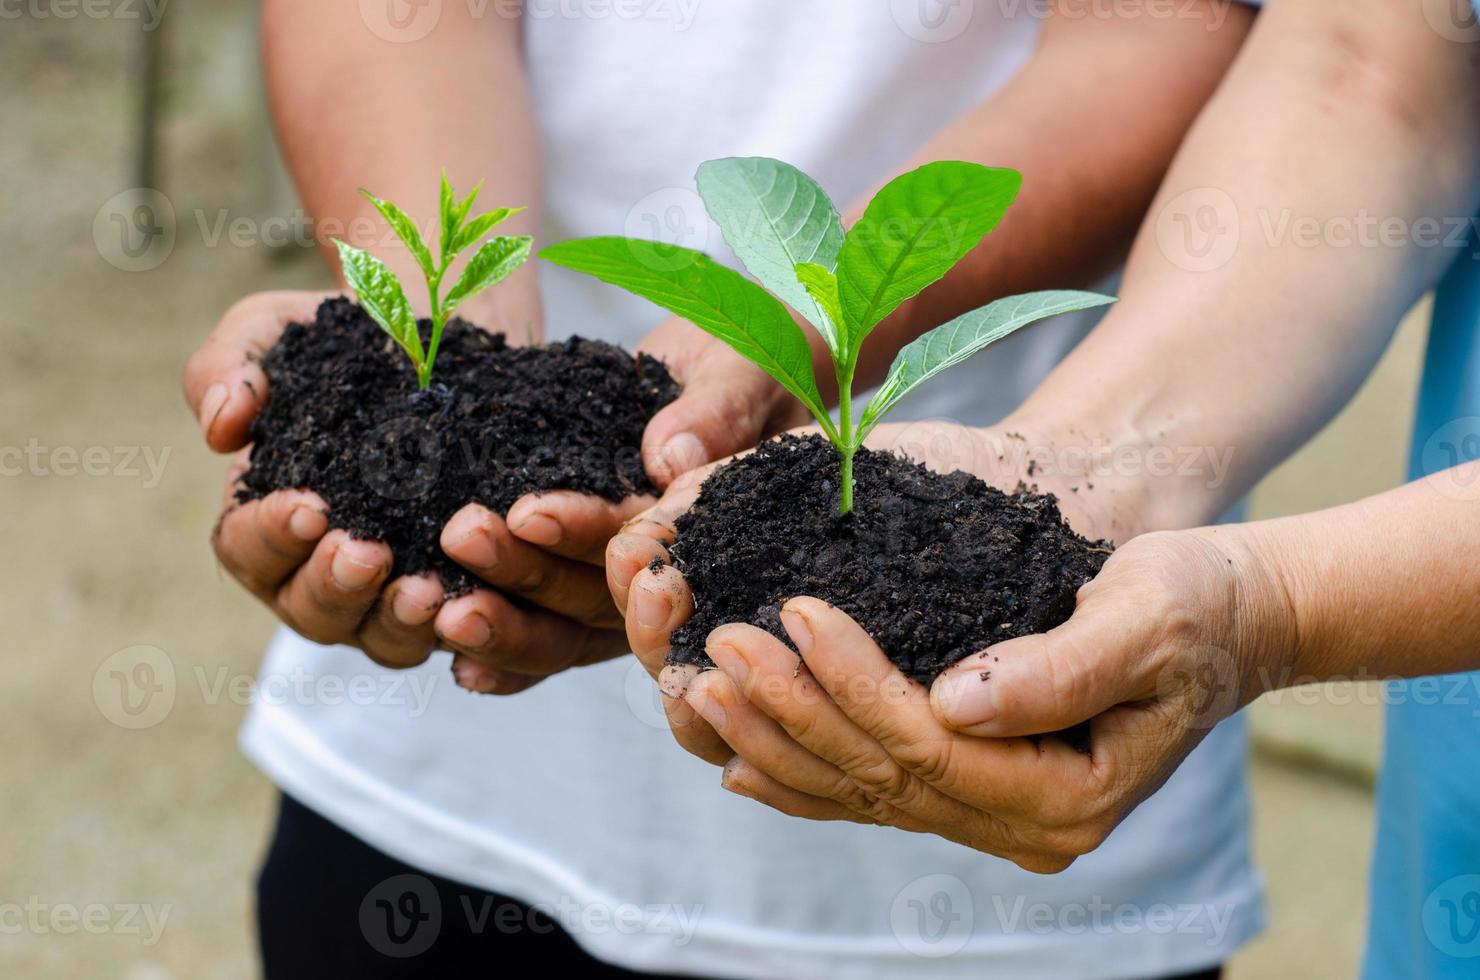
<point x="844" y="443"/>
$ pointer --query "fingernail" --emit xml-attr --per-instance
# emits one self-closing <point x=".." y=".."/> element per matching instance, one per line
<point x="211" y="405"/>
<point x="409" y="612"/>
<point x="966" y="698"/>
<point x="731" y="661"/>
<point x="307" y="523"/>
<point x="350" y="573"/>
<point x="798" y="629"/>
<point x="706" y="706"/>
<point x="540" y="529"/>
<point x="653" y="610"/>
<point x="473" y="676"/>
<point x="682" y="453"/>
<point x="474" y="632"/>
<point x="477" y="549"/>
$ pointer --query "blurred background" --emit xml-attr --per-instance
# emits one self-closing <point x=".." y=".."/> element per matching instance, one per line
<point x="108" y="806"/>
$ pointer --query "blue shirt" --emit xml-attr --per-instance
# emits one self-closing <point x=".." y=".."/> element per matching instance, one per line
<point x="1425" y="901"/>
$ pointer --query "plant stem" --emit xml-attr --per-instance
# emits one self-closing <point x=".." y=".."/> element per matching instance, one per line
<point x="434" y="286"/>
<point x="845" y="446"/>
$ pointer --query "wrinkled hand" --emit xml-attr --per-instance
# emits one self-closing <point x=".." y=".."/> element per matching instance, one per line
<point x="658" y="602"/>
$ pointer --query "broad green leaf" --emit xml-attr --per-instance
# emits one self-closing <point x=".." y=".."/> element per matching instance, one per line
<point x="718" y="300"/>
<point x="951" y="343"/>
<point x="494" y="261"/>
<point x="914" y="230"/>
<point x="774" y="217"/>
<point x="470" y="233"/>
<point x="822" y="286"/>
<point x="380" y="295"/>
<point x="466" y="205"/>
<point x="405" y="230"/>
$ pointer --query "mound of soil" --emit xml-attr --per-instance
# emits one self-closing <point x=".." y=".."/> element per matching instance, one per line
<point x="345" y="419"/>
<point x="935" y="567"/>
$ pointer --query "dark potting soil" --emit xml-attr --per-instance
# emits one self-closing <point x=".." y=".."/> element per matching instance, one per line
<point x="934" y="566"/>
<point x="345" y="420"/>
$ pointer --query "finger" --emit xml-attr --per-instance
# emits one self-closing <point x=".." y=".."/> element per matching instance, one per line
<point x="479" y="540"/>
<point x="328" y="598"/>
<point x="262" y="542"/>
<point x="744" y="779"/>
<point x="481" y="679"/>
<point x="626" y="555"/>
<point x="223" y="382"/>
<point x="573" y="525"/>
<point x="489" y="629"/>
<point x="696" y="735"/>
<point x="759" y="739"/>
<point x="658" y="603"/>
<point x="398" y="632"/>
<point x="1047" y="682"/>
<point x="723" y="409"/>
<point x="1009" y="777"/>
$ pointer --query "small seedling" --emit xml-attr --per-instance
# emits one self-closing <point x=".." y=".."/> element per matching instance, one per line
<point x="788" y="234"/>
<point x="380" y="292"/>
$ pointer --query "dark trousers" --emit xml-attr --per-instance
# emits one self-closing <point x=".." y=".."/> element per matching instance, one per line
<point x="330" y="905"/>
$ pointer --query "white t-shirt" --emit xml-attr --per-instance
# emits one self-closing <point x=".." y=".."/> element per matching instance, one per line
<point x="573" y="796"/>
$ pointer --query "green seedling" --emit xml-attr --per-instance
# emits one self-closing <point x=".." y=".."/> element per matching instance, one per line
<point x="787" y="232"/>
<point x="380" y="292"/>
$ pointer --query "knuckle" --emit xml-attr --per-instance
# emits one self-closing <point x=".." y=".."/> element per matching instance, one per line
<point x="928" y="758"/>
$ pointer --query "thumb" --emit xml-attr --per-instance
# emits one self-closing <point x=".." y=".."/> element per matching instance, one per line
<point x="1044" y="683"/>
<point x="723" y="409"/>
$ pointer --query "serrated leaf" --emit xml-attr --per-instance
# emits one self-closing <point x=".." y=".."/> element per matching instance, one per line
<point x="405" y="230"/>
<point x="951" y="343"/>
<point x="493" y="262"/>
<point x="718" y="300"/>
<point x="822" y="286"/>
<point x="914" y="230"/>
<point x="472" y="232"/>
<point x="381" y="296"/>
<point x="774" y="217"/>
<point x="448" y="211"/>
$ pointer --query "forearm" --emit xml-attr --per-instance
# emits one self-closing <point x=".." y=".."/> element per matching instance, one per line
<point x="1241" y="351"/>
<point x="354" y="110"/>
<point x="1384" y="587"/>
<point x="1092" y="121"/>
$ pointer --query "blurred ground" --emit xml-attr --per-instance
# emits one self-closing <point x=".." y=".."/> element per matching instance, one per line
<point x="100" y="817"/>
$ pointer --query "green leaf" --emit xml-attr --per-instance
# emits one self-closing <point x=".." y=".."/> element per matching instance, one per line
<point x="405" y="230"/>
<point x="463" y="208"/>
<point x="470" y="233"/>
<point x="448" y="211"/>
<point x="914" y="230"/>
<point x="493" y="262"/>
<point x="381" y="296"/>
<point x="951" y="343"/>
<point x="822" y="286"/>
<point x="718" y="300"/>
<point x="774" y="217"/>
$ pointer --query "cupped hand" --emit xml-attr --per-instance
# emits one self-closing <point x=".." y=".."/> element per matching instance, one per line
<point x="325" y="585"/>
<point x="656" y="600"/>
